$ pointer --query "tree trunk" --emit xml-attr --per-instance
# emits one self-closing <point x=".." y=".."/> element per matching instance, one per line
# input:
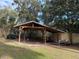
<point x="70" y="38"/>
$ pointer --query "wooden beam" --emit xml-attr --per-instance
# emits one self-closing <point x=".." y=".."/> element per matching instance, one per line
<point x="30" y="27"/>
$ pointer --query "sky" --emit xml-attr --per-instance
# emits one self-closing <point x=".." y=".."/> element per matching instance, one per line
<point x="42" y="2"/>
<point x="6" y="3"/>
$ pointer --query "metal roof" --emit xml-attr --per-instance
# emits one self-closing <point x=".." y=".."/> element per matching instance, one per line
<point x="39" y="25"/>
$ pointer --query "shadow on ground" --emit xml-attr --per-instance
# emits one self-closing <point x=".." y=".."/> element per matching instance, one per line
<point x="11" y="52"/>
<point x="72" y="48"/>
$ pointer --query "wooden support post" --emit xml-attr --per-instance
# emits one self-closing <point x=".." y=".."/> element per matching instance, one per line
<point x="19" y="34"/>
<point x="24" y="35"/>
<point x="57" y="37"/>
<point x="44" y="36"/>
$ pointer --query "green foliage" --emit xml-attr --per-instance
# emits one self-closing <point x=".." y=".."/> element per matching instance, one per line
<point x="55" y="11"/>
<point x="7" y="19"/>
<point x="27" y="9"/>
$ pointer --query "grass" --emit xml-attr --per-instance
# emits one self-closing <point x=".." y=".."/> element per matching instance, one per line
<point x="8" y="51"/>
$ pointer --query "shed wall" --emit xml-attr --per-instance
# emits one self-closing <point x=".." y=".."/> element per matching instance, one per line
<point x="75" y="37"/>
<point x="65" y="36"/>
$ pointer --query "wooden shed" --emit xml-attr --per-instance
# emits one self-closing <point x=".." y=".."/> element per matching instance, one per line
<point x="42" y="28"/>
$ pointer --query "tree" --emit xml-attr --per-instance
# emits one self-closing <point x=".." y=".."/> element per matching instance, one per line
<point x="27" y="10"/>
<point x="64" y="14"/>
<point x="7" y="20"/>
